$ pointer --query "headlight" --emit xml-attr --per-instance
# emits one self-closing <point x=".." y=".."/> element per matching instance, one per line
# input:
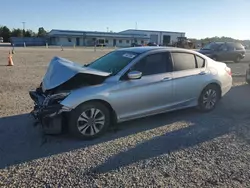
<point x="56" y="98"/>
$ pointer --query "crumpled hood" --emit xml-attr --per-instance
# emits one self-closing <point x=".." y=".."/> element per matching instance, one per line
<point x="61" y="70"/>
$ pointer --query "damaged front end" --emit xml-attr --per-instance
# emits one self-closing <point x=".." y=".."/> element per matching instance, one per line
<point x="62" y="77"/>
<point x="48" y="111"/>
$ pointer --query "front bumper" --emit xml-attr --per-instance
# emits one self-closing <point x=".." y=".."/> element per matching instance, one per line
<point x="50" y="116"/>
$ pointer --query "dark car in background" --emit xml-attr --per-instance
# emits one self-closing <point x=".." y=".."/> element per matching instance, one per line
<point x="136" y="44"/>
<point x="224" y="51"/>
<point x="152" y="44"/>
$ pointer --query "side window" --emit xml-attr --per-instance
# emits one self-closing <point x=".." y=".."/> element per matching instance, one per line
<point x="200" y="62"/>
<point x="154" y="64"/>
<point x="183" y="61"/>
<point x="231" y="47"/>
<point x="223" y="47"/>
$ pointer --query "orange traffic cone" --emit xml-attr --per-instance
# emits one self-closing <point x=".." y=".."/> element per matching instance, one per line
<point x="10" y="61"/>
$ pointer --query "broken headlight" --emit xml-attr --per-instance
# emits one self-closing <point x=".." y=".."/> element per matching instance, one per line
<point x="54" y="99"/>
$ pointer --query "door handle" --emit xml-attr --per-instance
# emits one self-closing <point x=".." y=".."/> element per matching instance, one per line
<point x="202" y="73"/>
<point x="167" y="79"/>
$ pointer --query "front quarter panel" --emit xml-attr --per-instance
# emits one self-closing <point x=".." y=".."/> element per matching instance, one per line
<point x="79" y="96"/>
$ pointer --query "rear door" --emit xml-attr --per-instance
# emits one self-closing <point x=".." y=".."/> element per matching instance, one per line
<point x="189" y="73"/>
<point x="232" y="52"/>
<point x="151" y="93"/>
<point x="223" y="53"/>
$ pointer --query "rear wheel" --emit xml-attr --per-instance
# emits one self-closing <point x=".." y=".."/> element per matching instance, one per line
<point x="237" y="59"/>
<point x="209" y="98"/>
<point x="89" y="120"/>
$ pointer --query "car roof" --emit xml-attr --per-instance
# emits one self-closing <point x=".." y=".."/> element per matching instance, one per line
<point x="152" y="48"/>
<point x="219" y="42"/>
<point x="236" y="42"/>
<point x="140" y="49"/>
<point x="145" y="49"/>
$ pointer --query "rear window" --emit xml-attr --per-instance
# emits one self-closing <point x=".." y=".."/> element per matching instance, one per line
<point x="183" y="61"/>
<point x="239" y="46"/>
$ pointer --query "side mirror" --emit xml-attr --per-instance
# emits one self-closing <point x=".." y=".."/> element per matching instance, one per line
<point x="134" y="75"/>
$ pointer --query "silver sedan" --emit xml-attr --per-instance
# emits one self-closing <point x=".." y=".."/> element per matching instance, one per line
<point x="126" y="84"/>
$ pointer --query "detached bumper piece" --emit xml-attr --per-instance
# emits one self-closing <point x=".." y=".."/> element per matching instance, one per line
<point x="50" y="117"/>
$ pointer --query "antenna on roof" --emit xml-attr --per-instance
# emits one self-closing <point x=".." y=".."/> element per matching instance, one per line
<point x="135" y="25"/>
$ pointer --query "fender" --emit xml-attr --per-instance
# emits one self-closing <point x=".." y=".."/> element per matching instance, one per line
<point x="81" y="95"/>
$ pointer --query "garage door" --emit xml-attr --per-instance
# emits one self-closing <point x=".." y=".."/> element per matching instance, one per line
<point x="154" y="38"/>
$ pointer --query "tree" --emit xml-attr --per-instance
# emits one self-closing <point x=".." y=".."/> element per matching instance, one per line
<point x="5" y="33"/>
<point x="17" y="33"/>
<point x="41" y="32"/>
<point x="29" y="33"/>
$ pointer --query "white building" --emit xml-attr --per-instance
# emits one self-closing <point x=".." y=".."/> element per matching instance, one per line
<point x="90" y="38"/>
<point x="120" y="39"/>
<point x="159" y="37"/>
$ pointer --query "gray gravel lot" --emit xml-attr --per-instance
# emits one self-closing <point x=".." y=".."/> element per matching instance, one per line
<point x="179" y="149"/>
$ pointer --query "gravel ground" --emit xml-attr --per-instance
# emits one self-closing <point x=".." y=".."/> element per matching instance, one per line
<point x="178" y="149"/>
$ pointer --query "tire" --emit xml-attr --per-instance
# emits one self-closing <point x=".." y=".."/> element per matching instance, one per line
<point x="237" y="59"/>
<point x="214" y="92"/>
<point x="81" y="128"/>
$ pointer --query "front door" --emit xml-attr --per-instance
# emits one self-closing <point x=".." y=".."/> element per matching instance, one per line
<point x="150" y="94"/>
<point x="166" y="39"/>
<point x="188" y="78"/>
<point x="114" y="42"/>
<point x="77" y="41"/>
<point x="222" y="53"/>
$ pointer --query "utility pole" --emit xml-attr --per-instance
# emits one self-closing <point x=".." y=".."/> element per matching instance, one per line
<point x="107" y="29"/>
<point x="23" y="28"/>
<point x="136" y="25"/>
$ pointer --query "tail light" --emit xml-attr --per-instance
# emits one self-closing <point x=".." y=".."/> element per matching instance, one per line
<point x="228" y="70"/>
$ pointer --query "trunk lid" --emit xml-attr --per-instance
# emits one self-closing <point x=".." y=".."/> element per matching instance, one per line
<point x="61" y="70"/>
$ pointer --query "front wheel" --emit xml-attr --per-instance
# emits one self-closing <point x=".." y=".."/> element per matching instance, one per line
<point x="209" y="98"/>
<point x="89" y="120"/>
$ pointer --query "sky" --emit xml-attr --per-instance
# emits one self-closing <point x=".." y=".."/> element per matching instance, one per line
<point x="197" y="18"/>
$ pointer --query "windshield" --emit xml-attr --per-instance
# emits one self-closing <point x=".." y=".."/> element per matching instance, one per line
<point x="113" y="62"/>
<point x="210" y="46"/>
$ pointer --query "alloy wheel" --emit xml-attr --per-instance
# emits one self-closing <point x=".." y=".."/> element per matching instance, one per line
<point x="91" y="122"/>
<point x="209" y="99"/>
